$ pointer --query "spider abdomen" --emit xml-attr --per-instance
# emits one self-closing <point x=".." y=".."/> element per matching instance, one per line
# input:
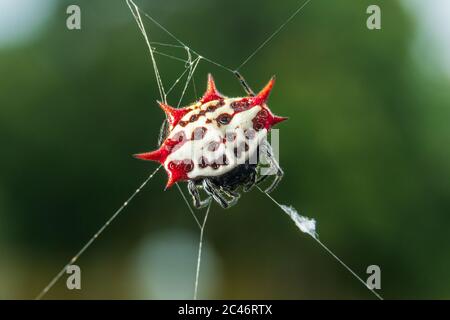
<point x="214" y="137"/>
<point x="215" y="142"/>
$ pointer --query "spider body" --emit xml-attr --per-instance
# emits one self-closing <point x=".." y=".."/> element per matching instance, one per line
<point x="216" y="144"/>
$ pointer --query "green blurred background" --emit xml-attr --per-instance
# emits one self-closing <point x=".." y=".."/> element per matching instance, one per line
<point x="366" y="150"/>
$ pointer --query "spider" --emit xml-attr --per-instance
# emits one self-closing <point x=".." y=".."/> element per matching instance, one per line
<point x="217" y="143"/>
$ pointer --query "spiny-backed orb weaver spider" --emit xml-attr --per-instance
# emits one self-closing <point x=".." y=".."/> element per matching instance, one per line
<point x="216" y="144"/>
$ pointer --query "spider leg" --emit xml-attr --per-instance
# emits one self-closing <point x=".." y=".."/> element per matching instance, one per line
<point x="213" y="192"/>
<point x="253" y="180"/>
<point x="234" y="197"/>
<point x="244" y="83"/>
<point x="233" y="200"/>
<point x="217" y="195"/>
<point x="230" y="193"/>
<point x="261" y="179"/>
<point x="262" y="152"/>
<point x="279" y="175"/>
<point x="197" y="201"/>
<point x="273" y="164"/>
<point x="163" y="132"/>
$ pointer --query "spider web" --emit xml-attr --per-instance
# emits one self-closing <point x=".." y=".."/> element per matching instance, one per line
<point x="191" y="62"/>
